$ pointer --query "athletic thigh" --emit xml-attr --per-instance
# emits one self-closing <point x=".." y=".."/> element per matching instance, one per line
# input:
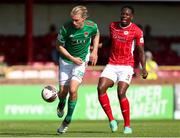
<point x="65" y="72"/>
<point x="109" y="72"/>
<point x="124" y="74"/>
<point x="78" y="72"/>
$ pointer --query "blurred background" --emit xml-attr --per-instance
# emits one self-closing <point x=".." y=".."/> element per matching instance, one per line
<point x="28" y="60"/>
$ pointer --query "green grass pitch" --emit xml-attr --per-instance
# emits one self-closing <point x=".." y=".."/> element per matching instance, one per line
<point x="141" y="128"/>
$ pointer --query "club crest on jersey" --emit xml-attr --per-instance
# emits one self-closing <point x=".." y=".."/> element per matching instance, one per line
<point x="86" y="34"/>
<point x="126" y="32"/>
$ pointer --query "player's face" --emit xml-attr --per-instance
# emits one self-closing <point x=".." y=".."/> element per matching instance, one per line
<point x="77" y="21"/>
<point x="126" y="17"/>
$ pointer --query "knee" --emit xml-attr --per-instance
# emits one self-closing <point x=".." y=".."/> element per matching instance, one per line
<point x="121" y="94"/>
<point x="101" y="89"/>
<point x="73" y="94"/>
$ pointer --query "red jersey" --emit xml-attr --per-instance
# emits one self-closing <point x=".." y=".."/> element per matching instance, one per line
<point x="124" y="40"/>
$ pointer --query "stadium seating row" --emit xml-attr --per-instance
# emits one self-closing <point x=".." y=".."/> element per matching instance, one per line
<point x="16" y="51"/>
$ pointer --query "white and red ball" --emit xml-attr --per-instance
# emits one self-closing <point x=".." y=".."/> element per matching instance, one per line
<point x="49" y="93"/>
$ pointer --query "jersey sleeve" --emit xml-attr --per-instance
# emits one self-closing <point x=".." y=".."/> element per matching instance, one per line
<point x="61" y="38"/>
<point x="93" y="26"/>
<point x="139" y="37"/>
<point x="95" y="29"/>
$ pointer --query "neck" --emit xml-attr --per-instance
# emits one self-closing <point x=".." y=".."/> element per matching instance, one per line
<point x="123" y="25"/>
<point x="82" y="25"/>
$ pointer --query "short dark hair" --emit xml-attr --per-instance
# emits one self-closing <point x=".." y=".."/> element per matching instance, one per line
<point x="128" y="7"/>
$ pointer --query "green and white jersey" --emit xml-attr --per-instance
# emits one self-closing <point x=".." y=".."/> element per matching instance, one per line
<point x="77" y="41"/>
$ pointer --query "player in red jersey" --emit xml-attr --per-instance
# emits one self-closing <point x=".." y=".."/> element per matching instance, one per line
<point x="125" y="35"/>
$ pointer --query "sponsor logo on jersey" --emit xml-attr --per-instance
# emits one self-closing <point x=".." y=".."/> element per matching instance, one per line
<point x="77" y="39"/>
<point x="77" y="42"/>
<point x="120" y="38"/>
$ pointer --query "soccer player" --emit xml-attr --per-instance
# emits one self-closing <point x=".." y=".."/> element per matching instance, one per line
<point x="125" y="35"/>
<point x="74" y="41"/>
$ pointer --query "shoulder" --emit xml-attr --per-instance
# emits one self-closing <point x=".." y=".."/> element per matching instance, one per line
<point x="136" y="27"/>
<point x="90" y="23"/>
<point x="138" y="31"/>
<point x="154" y="63"/>
<point x="114" y="24"/>
<point x="65" y="27"/>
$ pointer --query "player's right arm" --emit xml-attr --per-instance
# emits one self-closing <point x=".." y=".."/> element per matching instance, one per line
<point x="65" y="53"/>
<point x="61" y="39"/>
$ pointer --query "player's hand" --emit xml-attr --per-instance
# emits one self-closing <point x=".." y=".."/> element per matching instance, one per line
<point x="93" y="58"/>
<point x="77" y="60"/>
<point x="144" y="74"/>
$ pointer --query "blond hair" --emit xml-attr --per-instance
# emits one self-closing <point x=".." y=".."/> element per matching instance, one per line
<point x="80" y="10"/>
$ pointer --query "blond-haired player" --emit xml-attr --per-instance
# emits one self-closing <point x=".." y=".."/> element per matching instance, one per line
<point x="73" y="44"/>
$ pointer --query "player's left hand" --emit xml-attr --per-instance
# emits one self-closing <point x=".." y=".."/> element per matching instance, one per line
<point x="93" y="58"/>
<point x="144" y="74"/>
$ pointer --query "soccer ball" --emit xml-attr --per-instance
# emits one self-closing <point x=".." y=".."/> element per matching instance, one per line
<point x="49" y="93"/>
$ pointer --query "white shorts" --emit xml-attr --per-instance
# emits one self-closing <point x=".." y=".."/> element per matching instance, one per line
<point x="118" y="73"/>
<point x="68" y="71"/>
